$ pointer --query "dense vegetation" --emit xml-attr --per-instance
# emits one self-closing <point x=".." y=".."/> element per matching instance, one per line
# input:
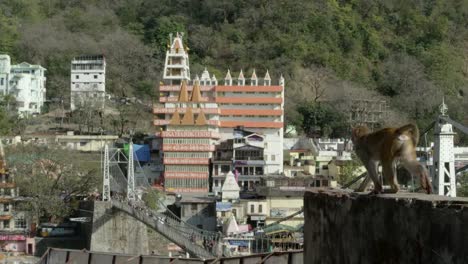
<point x="409" y="53"/>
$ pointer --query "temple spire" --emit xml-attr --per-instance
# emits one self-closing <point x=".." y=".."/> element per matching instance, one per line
<point x="228" y="78"/>
<point x="267" y="79"/>
<point x="241" y="79"/>
<point x="254" y="79"/>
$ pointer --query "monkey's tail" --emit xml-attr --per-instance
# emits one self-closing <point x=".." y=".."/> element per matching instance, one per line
<point x="412" y="129"/>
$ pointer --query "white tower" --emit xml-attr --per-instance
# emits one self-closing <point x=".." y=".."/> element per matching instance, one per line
<point x="130" y="174"/>
<point x="106" y="182"/>
<point x="444" y="158"/>
<point x="176" y="67"/>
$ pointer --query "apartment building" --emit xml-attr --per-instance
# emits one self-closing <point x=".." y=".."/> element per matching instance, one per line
<point x="26" y="82"/>
<point x="88" y="81"/>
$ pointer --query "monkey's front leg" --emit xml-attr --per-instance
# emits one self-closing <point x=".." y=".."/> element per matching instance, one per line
<point x="373" y="171"/>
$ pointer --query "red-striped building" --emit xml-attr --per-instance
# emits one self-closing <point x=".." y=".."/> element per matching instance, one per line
<point x="195" y="115"/>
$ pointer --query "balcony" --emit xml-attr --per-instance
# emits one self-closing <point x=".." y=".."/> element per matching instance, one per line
<point x="189" y="134"/>
<point x="166" y="110"/>
<point x="188" y="147"/>
<point x="200" y="161"/>
<point x="161" y="122"/>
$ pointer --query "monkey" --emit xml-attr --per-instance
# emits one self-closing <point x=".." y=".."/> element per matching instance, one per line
<point x="389" y="146"/>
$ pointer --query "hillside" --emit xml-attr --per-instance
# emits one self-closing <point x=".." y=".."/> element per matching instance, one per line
<point x="409" y="53"/>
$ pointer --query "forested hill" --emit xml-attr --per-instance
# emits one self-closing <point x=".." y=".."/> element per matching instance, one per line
<point x="409" y="53"/>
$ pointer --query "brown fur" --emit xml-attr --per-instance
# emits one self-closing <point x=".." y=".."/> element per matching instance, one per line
<point x="387" y="147"/>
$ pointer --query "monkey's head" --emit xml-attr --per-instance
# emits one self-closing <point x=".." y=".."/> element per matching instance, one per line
<point x="358" y="132"/>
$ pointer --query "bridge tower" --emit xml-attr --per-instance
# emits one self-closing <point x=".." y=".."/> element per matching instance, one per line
<point x="106" y="175"/>
<point x="444" y="158"/>
<point x="130" y="174"/>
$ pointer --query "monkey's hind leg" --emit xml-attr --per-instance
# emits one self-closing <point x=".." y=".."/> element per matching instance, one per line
<point x="389" y="173"/>
<point x="418" y="170"/>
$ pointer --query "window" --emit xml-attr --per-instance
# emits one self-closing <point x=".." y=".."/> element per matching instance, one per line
<point x="1" y="81"/>
<point x="216" y="183"/>
<point x="260" y="208"/>
<point x="6" y="207"/>
<point x="95" y="76"/>
<point x="223" y="213"/>
<point x="6" y="224"/>
<point x="77" y="77"/>
<point x="252" y="208"/>
<point x="20" y="223"/>
<point x="234" y="212"/>
<point x="272" y="157"/>
<point x="193" y="207"/>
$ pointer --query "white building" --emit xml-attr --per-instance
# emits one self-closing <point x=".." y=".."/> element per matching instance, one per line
<point x="88" y="81"/>
<point x="26" y="82"/>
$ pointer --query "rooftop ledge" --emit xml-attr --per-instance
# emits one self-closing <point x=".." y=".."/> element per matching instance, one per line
<point x="346" y="227"/>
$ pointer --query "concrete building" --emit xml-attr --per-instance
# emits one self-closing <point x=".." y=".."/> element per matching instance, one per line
<point x="210" y="113"/>
<point x="88" y="81"/>
<point x="14" y="225"/>
<point x="244" y="155"/>
<point x="86" y="143"/>
<point x="199" y="212"/>
<point x="26" y="82"/>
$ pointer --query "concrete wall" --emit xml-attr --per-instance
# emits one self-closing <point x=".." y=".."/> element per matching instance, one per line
<point x="114" y="231"/>
<point x="342" y="227"/>
<point x="59" y="256"/>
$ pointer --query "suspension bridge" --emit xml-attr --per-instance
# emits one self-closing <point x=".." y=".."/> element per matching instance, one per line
<point x="120" y="189"/>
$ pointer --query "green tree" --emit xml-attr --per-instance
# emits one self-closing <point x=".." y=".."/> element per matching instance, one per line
<point x="151" y="198"/>
<point x="349" y="171"/>
<point x="322" y="119"/>
<point x="49" y="177"/>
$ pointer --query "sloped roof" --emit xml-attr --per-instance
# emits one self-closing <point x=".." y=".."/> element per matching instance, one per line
<point x="183" y="94"/>
<point x="175" y="120"/>
<point x="196" y="94"/>
<point x="188" y="117"/>
<point x="201" y="119"/>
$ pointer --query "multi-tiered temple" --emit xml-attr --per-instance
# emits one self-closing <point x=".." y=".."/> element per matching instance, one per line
<point x="197" y="114"/>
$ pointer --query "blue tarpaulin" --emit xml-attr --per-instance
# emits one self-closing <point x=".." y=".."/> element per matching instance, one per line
<point x="141" y="152"/>
<point x="222" y="207"/>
